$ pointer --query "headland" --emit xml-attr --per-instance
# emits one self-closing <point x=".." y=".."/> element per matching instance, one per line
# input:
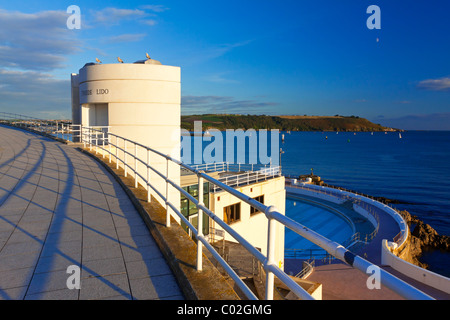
<point x="282" y="122"/>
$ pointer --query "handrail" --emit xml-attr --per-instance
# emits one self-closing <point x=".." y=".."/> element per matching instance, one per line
<point x="252" y="172"/>
<point x="270" y="268"/>
<point x="272" y="215"/>
<point x="307" y="269"/>
<point x="230" y="167"/>
<point x="249" y="177"/>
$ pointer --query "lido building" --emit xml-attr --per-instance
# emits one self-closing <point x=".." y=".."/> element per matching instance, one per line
<point x="141" y="101"/>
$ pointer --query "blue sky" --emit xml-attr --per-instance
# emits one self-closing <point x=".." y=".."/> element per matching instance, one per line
<point x="256" y="57"/>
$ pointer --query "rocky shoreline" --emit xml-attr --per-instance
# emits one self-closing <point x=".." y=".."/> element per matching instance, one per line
<point x="423" y="237"/>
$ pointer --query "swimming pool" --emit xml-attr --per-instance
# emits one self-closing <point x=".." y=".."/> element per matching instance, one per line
<point x="318" y="218"/>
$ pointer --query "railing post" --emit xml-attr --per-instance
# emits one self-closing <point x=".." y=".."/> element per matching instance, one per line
<point x="90" y="138"/>
<point x="125" y="156"/>
<point x="148" y="176"/>
<point x="103" y="145"/>
<point x="271" y="240"/>
<point x="83" y="137"/>
<point x="200" y="224"/>
<point x="117" y="150"/>
<point x="135" y="165"/>
<point x="167" y="195"/>
<point x="109" y="147"/>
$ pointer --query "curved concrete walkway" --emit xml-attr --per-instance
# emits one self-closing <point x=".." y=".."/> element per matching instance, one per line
<point x="59" y="208"/>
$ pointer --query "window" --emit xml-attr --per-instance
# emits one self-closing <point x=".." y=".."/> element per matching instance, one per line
<point x="184" y="203"/>
<point x="254" y="210"/>
<point x="232" y="213"/>
<point x="190" y="210"/>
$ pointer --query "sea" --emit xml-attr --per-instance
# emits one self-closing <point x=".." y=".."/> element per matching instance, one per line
<point x="411" y="167"/>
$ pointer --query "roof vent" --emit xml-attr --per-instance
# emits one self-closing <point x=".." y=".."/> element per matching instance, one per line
<point x="148" y="61"/>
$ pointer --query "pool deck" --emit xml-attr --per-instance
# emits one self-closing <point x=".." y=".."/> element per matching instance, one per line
<point x="342" y="282"/>
<point x="60" y="208"/>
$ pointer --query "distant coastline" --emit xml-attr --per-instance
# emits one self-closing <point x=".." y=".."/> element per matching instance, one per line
<point x="282" y="122"/>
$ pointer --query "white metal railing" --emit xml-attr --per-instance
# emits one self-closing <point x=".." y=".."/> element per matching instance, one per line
<point x="123" y="145"/>
<point x="94" y="136"/>
<point x="308" y="254"/>
<point x="58" y="128"/>
<point x="230" y="167"/>
<point x="307" y="269"/>
<point x="248" y="177"/>
<point x="272" y="214"/>
<point x="245" y="174"/>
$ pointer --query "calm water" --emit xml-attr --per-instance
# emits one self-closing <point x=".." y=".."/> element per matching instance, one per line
<point x="322" y="221"/>
<point x="414" y="169"/>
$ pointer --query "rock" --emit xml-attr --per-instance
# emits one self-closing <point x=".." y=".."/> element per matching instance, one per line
<point x="409" y="218"/>
<point x="423" y="236"/>
<point x="430" y="238"/>
<point x="415" y="252"/>
<point x="425" y="233"/>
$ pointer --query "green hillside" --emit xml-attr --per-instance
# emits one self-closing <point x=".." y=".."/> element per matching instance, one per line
<point x="283" y="123"/>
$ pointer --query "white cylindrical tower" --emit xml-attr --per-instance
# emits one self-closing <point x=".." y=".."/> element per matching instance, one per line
<point x="139" y="101"/>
